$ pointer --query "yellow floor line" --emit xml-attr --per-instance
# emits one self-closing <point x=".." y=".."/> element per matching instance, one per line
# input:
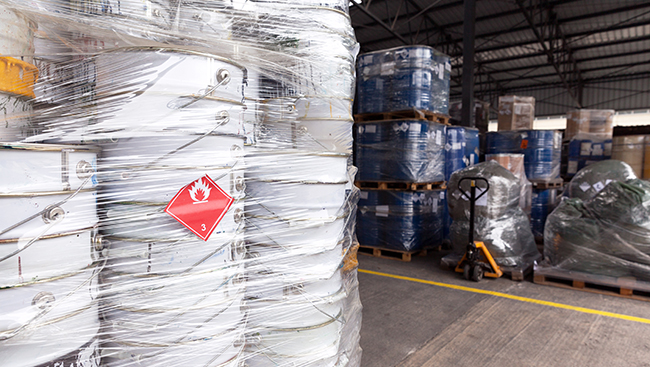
<point x="509" y="296"/>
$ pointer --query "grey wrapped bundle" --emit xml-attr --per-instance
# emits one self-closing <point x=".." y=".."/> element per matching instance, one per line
<point x="500" y="223"/>
<point x="509" y="238"/>
<point x="607" y="235"/>
<point x="593" y="178"/>
<point x="502" y="198"/>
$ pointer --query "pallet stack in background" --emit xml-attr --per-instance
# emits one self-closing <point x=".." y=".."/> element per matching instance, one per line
<point x="541" y="150"/>
<point x="587" y="139"/>
<point x="405" y="149"/>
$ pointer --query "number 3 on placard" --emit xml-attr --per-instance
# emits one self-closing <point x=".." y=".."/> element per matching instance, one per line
<point x="203" y="227"/>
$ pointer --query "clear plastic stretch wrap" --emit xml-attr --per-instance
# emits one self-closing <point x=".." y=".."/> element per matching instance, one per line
<point x="631" y="150"/>
<point x="401" y="220"/>
<point x="177" y="184"/>
<point x="403" y="78"/>
<point x="400" y="150"/>
<point x="542" y="150"/>
<point x="515" y="164"/>
<point x="607" y="235"/>
<point x="500" y="223"/>
<point x="592" y="179"/>
<point x="585" y="149"/>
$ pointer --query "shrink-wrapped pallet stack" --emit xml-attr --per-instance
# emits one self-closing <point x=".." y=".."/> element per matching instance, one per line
<point x="171" y="166"/>
<point x="401" y="146"/>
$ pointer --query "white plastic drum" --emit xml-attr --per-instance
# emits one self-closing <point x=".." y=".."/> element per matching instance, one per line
<point x="156" y="89"/>
<point x="34" y="168"/>
<point x="297" y="166"/>
<point x="56" y="318"/>
<point x="165" y="257"/>
<point x="303" y="237"/>
<point x="153" y="168"/>
<point x="314" y="108"/>
<point x="278" y="286"/>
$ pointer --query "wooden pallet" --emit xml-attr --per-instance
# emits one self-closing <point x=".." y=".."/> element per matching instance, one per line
<point x="593" y="285"/>
<point x="401" y="186"/>
<point x="402" y="115"/>
<point x="517" y="273"/>
<point x="556" y="183"/>
<point x="391" y="254"/>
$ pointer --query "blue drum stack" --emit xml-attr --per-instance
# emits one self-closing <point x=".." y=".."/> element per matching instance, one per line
<point x="403" y="148"/>
<point x="542" y="150"/>
<point x="403" y="78"/>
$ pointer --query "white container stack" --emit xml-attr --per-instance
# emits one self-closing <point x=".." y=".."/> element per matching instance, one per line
<point x="48" y="226"/>
<point x="300" y="189"/>
<point x="149" y="111"/>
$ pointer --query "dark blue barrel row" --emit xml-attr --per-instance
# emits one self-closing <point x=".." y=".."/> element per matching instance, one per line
<point x="401" y="220"/>
<point x="461" y="149"/>
<point x="400" y="150"/>
<point x="543" y="203"/>
<point x="403" y="78"/>
<point x="583" y="152"/>
<point x="542" y="150"/>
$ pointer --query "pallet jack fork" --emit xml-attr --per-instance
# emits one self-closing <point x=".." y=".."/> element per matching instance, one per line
<point x="477" y="260"/>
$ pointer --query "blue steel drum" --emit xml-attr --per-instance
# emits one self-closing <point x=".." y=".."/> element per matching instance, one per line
<point x="416" y="151"/>
<point x="455" y="150"/>
<point x="371" y="149"/>
<point x="472" y="146"/>
<point x="400" y="220"/>
<point x="504" y="142"/>
<point x="543" y="203"/>
<point x="403" y="78"/>
<point x="542" y="154"/>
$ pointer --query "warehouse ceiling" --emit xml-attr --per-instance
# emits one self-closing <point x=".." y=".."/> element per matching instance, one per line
<point x="519" y="43"/>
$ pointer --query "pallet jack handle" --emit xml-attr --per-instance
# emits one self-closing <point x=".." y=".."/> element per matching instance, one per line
<point x="471" y="196"/>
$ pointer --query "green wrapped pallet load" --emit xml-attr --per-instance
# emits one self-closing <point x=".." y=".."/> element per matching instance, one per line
<point x="607" y="233"/>
<point x="500" y="223"/>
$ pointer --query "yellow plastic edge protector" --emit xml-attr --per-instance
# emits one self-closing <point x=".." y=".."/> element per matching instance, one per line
<point x="17" y="76"/>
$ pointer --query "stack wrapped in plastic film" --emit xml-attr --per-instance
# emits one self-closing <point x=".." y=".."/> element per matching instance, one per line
<point x="542" y="150"/>
<point x="500" y="222"/>
<point x="400" y="150"/>
<point x="401" y="220"/>
<point x="403" y="78"/>
<point x="178" y="184"/>
<point x="515" y="164"/>
<point x="602" y="232"/>
<point x="587" y="139"/>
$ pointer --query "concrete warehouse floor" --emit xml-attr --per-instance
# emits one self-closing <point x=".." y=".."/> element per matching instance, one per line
<point x="410" y="324"/>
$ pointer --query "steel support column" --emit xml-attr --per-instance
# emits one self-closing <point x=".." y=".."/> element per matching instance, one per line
<point x="468" y="63"/>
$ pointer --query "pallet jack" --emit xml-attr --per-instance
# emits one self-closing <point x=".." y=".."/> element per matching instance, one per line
<point x="477" y="260"/>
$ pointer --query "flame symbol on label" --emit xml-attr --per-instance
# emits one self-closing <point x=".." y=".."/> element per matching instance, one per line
<point x="200" y="192"/>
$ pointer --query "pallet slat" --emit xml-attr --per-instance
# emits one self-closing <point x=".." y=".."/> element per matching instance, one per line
<point x="556" y="183"/>
<point x="402" y="186"/>
<point x="591" y="285"/>
<point x="400" y="115"/>
<point x="390" y="254"/>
